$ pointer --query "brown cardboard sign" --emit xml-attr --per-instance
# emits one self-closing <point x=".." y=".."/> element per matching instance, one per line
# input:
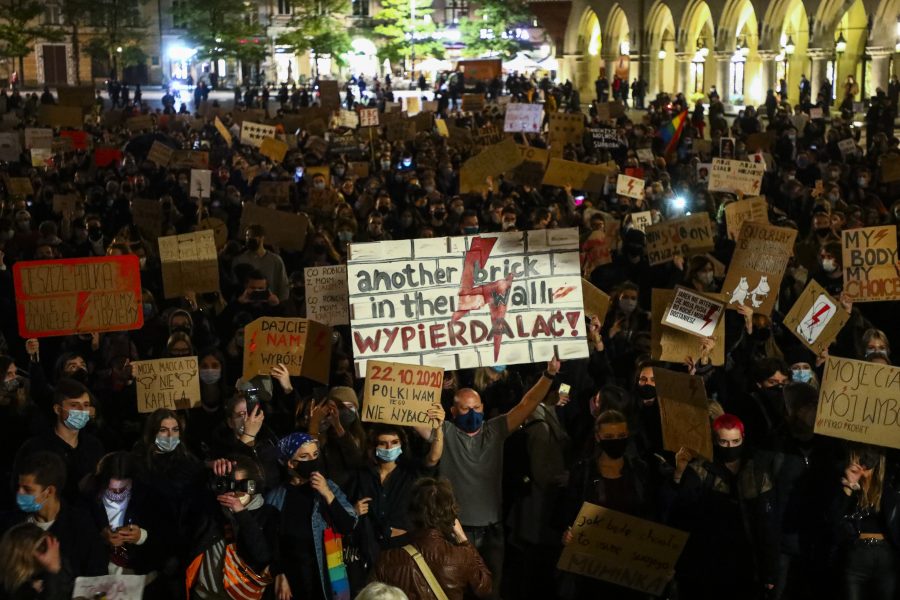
<point x="890" y="168"/>
<point x="223" y="131"/>
<point x="286" y="230"/>
<point x="750" y="209"/>
<point x="672" y="345"/>
<point x="50" y="115"/>
<point x="399" y="393"/>
<point x="473" y="102"/>
<point x="172" y="383"/>
<point x="77" y="95"/>
<point x="274" y="149"/>
<point x="759" y="142"/>
<point x="758" y="265"/>
<point x="596" y="302"/>
<point x="870" y="263"/>
<point x="278" y="192"/>
<point x="685" y="236"/>
<point x="623" y="550"/>
<point x="329" y="94"/>
<point x="218" y="228"/>
<point x="19" y="186"/>
<point x="491" y="162"/>
<point x="189" y="159"/>
<point x="160" y="154"/>
<point x="139" y="123"/>
<point x="858" y="400"/>
<point x="403" y="130"/>
<point x="816" y="318"/>
<point x="189" y="263"/>
<point x="66" y="203"/>
<point x="78" y="295"/>
<point x="684" y="409"/>
<point x="147" y="215"/>
<point x="693" y="313"/>
<point x="327" y="295"/>
<point x="610" y="110"/>
<point x="581" y="176"/>
<point x="301" y="345"/>
<point x="566" y="128"/>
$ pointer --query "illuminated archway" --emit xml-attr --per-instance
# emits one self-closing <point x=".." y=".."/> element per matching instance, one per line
<point x="792" y="44"/>
<point x="661" y="48"/>
<point x="618" y="44"/>
<point x="698" y="40"/>
<point x="851" y="34"/>
<point x="739" y="35"/>
<point x="590" y="44"/>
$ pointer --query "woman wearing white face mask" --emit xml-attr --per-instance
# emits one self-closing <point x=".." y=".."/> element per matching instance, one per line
<point x="624" y="319"/>
<point x="700" y="274"/>
<point x="830" y="274"/>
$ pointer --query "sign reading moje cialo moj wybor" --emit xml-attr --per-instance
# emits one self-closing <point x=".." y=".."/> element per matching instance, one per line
<point x="468" y="301"/>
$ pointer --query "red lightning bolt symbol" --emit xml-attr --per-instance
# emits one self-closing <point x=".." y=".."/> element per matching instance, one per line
<point x="81" y="306"/>
<point x="880" y="234"/>
<point x="708" y="317"/>
<point x="320" y="341"/>
<point x="471" y="297"/>
<point x="815" y="318"/>
<point x="630" y="184"/>
<point x="252" y="346"/>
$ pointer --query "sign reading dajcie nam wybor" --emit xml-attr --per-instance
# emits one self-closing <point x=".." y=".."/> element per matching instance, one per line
<point x="400" y="394"/>
<point x="622" y="549"/>
<point x="870" y="263"/>
<point x="172" y="383"/>
<point x="471" y="301"/>
<point x="860" y="401"/>
<point x="301" y="345"/>
<point x="78" y="295"/>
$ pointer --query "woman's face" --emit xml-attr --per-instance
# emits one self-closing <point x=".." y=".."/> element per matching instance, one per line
<point x="210" y="362"/>
<point x="646" y="377"/>
<point x="306" y="452"/>
<point x="169" y="428"/>
<point x="180" y="348"/>
<point x="74" y="364"/>
<point x="612" y="431"/>
<point x="387" y="441"/>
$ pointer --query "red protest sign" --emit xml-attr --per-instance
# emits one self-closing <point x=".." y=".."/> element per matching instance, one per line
<point x="79" y="138"/>
<point x="106" y="156"/>
<point x="78" y="295"/>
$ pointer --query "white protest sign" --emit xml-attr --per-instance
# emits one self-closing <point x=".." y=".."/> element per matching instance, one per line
<point x="693" y="313"/>
<point x="368" y="117"/>
<point x="348" y="118"/>
<point x="848" y="147"/>
<point x="642" y="220"/>
<point x="451" y="302"/>
<point x="253" y="134"/>
<point x="630" y="187"/>
<point x="645" y="155"/>
<point x="41" y="157"/>
<point x="736" y="176"/>
<point x="111" y="587"/>
<point x="38" y="138"/>
<point x="326" y="295"/>
<point x="522" y="117"/>
<point x="10" y="146"/>
<point x="201" y="180"/>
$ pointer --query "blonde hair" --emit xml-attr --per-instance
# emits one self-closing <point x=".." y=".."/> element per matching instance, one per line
<point x="17" y="555"/>
<point x="484" y="376"/>
<point x="870" y="494"/>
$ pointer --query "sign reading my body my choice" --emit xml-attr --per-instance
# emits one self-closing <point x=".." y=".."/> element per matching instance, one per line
<point x="450" y="302"/>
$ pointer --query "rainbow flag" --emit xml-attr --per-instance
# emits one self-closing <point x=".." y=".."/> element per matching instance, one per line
<point x="337" y="572"/>
<point x="671" y="132"/>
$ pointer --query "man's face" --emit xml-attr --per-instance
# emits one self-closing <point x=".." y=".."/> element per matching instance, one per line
<point x="464" y="402"/>
<point x="469" y="221"/>
<point x="29" y="485"/>
<point x="729" y="438"/>
<point x="83" y="402"/>
<point x="775" y="380"/>
<point x="73" y="365"/>
<point x="376" y="224"/>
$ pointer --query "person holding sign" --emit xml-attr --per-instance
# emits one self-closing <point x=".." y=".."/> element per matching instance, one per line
<point x="737" y="537"/>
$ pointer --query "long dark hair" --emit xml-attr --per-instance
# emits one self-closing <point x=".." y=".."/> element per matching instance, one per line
<point x="151" y="428"/>
<point x="433" y="506"/>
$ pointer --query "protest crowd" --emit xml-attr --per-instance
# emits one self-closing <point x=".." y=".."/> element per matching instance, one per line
<point x="638" y="353"/>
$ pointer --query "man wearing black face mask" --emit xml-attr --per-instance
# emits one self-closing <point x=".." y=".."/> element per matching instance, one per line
<point x="728" y="506"/>
<point x="267" y="263"/>
<point x="762" y="408"/>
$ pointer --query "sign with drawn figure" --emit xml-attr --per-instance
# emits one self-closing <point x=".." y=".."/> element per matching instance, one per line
<point x="816" y="318"/>
<point x="201" y="181"/>
<point x="870" y="263"/>
<point x="78" y="295"/>
<point x="461" y="302"/>
<point x="172" y="383"/>
<point x="758" y="265"/>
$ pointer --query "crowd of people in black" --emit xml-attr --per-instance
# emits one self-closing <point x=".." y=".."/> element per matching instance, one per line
<point x="273" y="487"/>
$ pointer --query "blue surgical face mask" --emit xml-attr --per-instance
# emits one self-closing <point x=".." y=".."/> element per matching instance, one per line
<point x="388" y="454"/>
<point x="470" y="230"/>
<point x="148" y="310"/>
<point x="345" y="236"/>
<point x="166" y="443"/>
<point x="27" y="503"/>
<point x="210" y="376"/>
<point x="801" y="375"/>
<point x="470" y="422"/>
<point x="499" y="368"/>
<point x="77" y="419"/>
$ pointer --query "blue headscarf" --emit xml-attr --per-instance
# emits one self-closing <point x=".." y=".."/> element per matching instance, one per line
<point x="289" y="444"/>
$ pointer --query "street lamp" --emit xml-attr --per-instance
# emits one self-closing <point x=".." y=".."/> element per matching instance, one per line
<point x="661" y="54"/>
<point x="624" y="48"/>
<point x="789" y="46"/>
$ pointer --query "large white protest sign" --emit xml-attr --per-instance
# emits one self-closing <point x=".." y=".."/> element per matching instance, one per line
<point x="368" y="117"/>
<point x="630" y="187"/>
<point x="326" y="295"/>
<point x="736" y="176"/>
<point x="201" y="181"/>
<point x="522" y="117"/>
<point x="470" y="301"/>
<point x="693" y="313"/>
<point x="253" y="134"/>
<point x="111" y="587"/>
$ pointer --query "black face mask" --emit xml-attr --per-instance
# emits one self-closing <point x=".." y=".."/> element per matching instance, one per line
<point x="253" y="244"/>
<point x="727" y="454"/>
<point x="823" y="231"/>
<point x="773" y="394"/>
<point x="305" y="468"/>
<point x="762" y="335"/>
<point x="79" y="375"/>
<point x="614" y="448"/>
<point x="633" y="251"/>
<point x="646" y="392"/>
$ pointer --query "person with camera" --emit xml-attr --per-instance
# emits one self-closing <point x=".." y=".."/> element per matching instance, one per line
<point x="234" y="544"/>
<point x="33" y="568"/>
<point x="314" y="514"/>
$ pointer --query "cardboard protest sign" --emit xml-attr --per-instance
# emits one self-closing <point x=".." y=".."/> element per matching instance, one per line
<point x="816" y="318"/>
<point x="253" y="134"/>
<point x="684" y="409"/>
<point x="858" y="402"/>
<point x="139" y="123"/>
<point x="201" y="181"/>
<point x="274" y="149"/>
<point x="642" y="220"/>
<point x="645" y="155"/>
<point x="490" y="162"/>
<point x="847" y="147"/>
<point x="78" y="295"/>
<point x="278" y="192"/>
<point x="77" y="95"/>
<point x="685" y="236"/>
<point x="19" y="186"/>
<point x="301" y="345"/>
<point x="630" y="187"/>
<point x="441" y="127"/>
<point x="189" y="159"/>
<point x="38" y="138"/>
<point x="673" y="345"/>
<point x="368" y="117"/>
<point x="610" y="110"/>
<point x="596" y="302"/>
<point x="147" y="215"/>
<point x="566" y="128"/>
<point x="160" y="154"/>
<point x="523" y="117"/>
<point x="602" y="138"/>
<point x="623" y="550"/>
<point x="66" y="203"/>
<point x="10" y="147"/>
<point x="189" y="263"/>
<point x="223" y="131"/>
<point x="50" y="115"/>
<point x="41" y="157"/>
<point x="870" y="259"/>
<point x="754" y="209"/>
<point x="736" y="176"/>
<point x="329" y="94"/>
<point x="473" y="102"/>
<point x="172" y="383"/>
<point x="348" y="119"/>
<point x="693" y="313"/>
<point x="327" y="296"/>
<point x="758" y="265"/>
<point x="403" y="130"/>
<point x="283" y="229"/>
<point x="104" y="157"/>
<point x="581" y="176"/>
<point x="400" y="393"/>
<point x="890" y="168"/>
<point x="451" y="301"/>
<point x="111" y="587"/>
<point x="79" y="139"/>
<point x="531" y="171"/>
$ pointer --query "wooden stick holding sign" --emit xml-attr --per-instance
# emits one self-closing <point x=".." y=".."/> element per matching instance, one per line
<point x="400" y="394"/>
